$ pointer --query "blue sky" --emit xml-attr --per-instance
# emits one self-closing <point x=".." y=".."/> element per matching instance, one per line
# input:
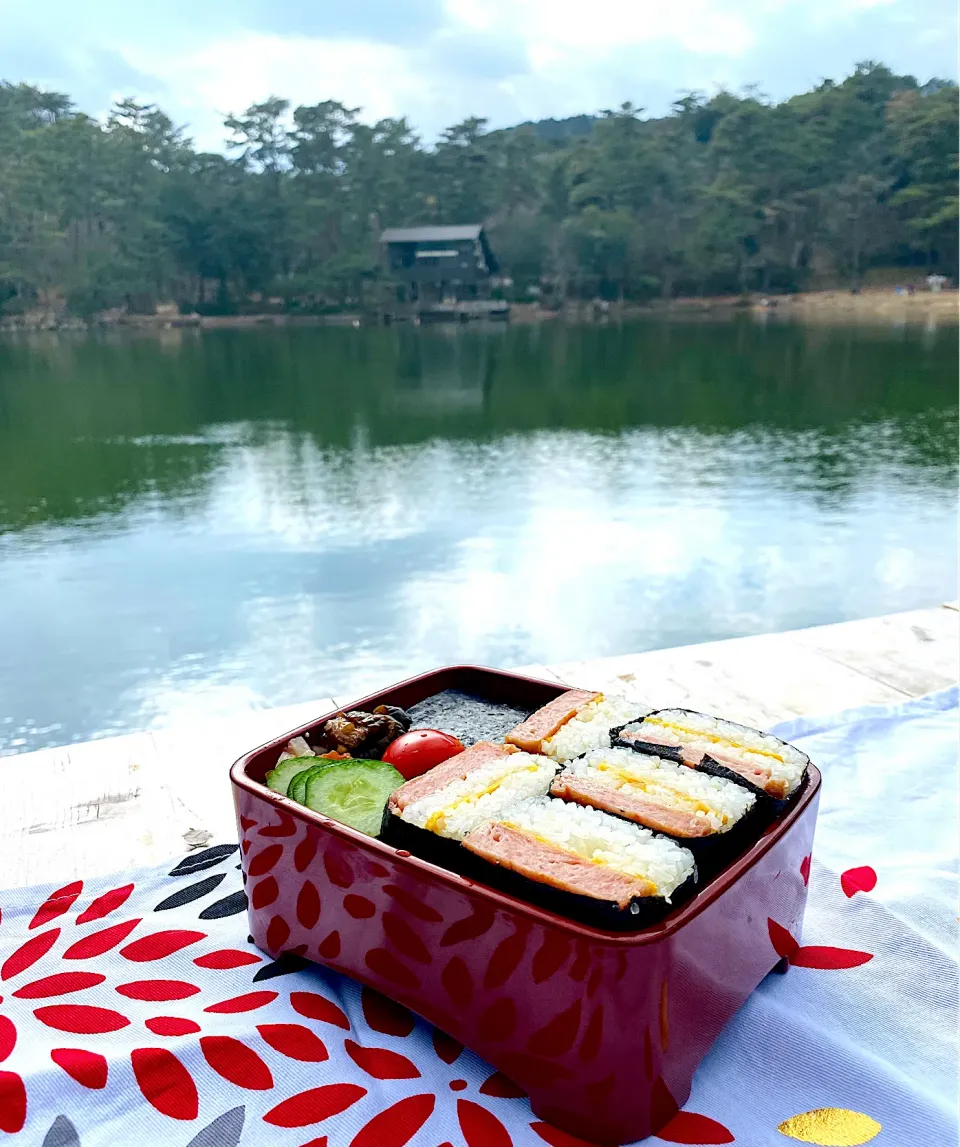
<point x="439" y="60"/>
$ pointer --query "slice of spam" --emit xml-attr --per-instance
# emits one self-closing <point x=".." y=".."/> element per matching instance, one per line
<point x="456" y="768"/>
<point x="548" y="864"/>
<point x="530" y="734"/>
<point x="641" y="810"/>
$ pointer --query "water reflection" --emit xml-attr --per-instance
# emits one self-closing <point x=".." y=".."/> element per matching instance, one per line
<point x="244" y="519"/>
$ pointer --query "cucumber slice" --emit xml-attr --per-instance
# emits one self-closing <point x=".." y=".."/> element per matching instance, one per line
<point x="353" y="792"/>
<point x="279" y="778"/>
<point x="298" y="786"/>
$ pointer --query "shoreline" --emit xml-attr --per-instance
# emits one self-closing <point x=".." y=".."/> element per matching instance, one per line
<point x="871" y="306"/>
<point x="828" y="306"/>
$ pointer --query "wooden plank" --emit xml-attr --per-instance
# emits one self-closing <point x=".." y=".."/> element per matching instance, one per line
<point x="199" y="758"/>
<point x="915" y="652"/>
<point x="88" y="809"/>
<point x="759" y="681"/>
<point x="535" y="669"/>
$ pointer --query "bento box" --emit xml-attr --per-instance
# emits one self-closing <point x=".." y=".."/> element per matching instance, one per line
<point x="603" y="1029"/>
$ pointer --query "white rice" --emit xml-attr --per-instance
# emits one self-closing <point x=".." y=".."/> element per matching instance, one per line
<point x="780" y="761"/>
<point x="590" y="728"/>
<point x="720" y="802"/>
<point x="467" y="803"/>
<point x="605" y="840"/>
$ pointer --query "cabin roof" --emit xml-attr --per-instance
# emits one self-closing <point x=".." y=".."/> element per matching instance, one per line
<point x="431" y="234"/>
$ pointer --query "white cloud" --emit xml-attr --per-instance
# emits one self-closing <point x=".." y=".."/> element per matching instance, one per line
<point x="696" y="25"/>
<point x="228" y="74"/>
<point x="506" y="59"/>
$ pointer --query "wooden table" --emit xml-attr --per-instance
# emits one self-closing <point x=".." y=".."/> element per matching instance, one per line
<point x="125" y="802"/>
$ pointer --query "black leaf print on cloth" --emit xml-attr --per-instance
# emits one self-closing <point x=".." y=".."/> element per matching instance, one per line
<point x="198" y="861"/>
<point x="288" y="962"/>
<point x="62" y="1133"/>
<point x="228" y="906"/>
<point x="191" y="892"/>
<point x="224" y="1131"/>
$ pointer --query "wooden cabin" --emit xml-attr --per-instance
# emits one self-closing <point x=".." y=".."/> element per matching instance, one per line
<point x="441" y="272"/>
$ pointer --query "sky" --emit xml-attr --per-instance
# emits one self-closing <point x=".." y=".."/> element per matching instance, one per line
<point x="438" y="61"/>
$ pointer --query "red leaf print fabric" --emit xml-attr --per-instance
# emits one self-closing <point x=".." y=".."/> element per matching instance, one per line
<point x="59" y="984"/>
<point x="13" y="1102"/>
<point x="398" y="1124"/>
<point x="8" y="1037"/>
<point x="814" y="956"/>
<point x="236" y="1062"/>
<point x="56" y="904"/>
<point x="105" y="904"/>
<point x="88" y="1068"/>
<point x="316" y="1007"/>
<point x="315" y="1105"/>
<point x="158" y="990"/>
<point x="480" y="1127"/>
<point x="246" y="1003"/>
<point x="227" y="958"/>
<point x="160" y="945"/>
<point x="380" y="1063"/>
<point x="783" y="943"/>
<point x="165" y="1082"/>
<point x="28" y="954"/>
<point x="96" y="943"/>
<point x="294" y="1041"/>
<point x="81" y="1019"/>
<point x="171" y="1025"/>
<point x="829" y="959"/>
<point x="688" y="1127"/>
<point x="856" y="880"/>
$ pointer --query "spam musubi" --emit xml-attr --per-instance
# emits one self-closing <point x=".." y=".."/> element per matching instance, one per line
<point x="432" y="813"/>
<point x="573" y="723"/>
<point x="700" y="811"/>
<point x="582" y="863"/>
<point x="721" y="748"/>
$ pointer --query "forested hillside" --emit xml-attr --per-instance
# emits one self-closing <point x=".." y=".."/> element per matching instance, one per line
<point x="725" y="194"/>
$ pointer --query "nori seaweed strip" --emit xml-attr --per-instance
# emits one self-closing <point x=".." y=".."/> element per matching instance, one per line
<point x="713" y="768"/>
<point x="648" y="748"/>
<point x="602" y="914"/>
<point x="421" y="842"/>
<point x="466" y="716"/>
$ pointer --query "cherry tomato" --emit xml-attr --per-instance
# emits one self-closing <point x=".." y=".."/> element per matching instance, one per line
<point x="415" y="752"/>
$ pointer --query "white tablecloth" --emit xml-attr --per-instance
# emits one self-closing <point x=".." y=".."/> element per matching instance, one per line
<point x="133" y="1009"/>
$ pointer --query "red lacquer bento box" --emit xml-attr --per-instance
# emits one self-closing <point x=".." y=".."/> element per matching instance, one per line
<point x="603" y="1030"/>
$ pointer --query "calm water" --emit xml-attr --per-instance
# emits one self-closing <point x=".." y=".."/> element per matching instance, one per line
<point x="200" y="524"/>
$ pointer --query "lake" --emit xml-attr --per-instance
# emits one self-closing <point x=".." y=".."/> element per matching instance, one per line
<point x="198" y="523"/>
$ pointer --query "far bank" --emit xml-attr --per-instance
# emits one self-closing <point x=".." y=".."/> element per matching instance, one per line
<point x="872" y="306"/>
